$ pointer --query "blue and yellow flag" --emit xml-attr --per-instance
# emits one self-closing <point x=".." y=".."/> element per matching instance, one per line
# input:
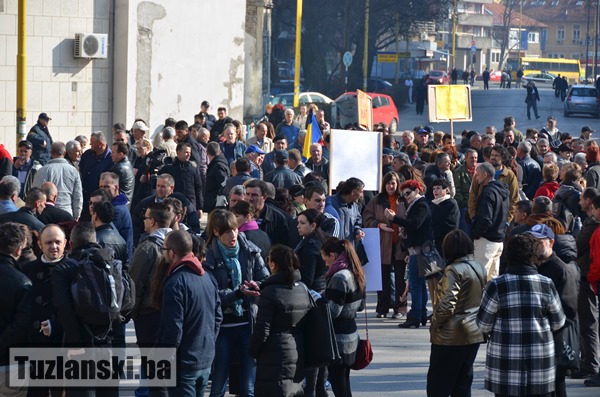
<point x="313" y="135"/>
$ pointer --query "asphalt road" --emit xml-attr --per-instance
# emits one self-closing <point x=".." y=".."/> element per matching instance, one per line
<point x="489" y="107"/>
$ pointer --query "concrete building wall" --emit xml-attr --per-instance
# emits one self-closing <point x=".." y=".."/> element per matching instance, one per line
<point x="74" y="92"/>
<point x="164" y="58"/>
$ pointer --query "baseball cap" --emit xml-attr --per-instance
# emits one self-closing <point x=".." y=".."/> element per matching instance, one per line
<point x="254" y="149"/>
<point x="44" y="116"/>
<point x="541" y="231"/>
<point x="140" y="125"/>
<point x="281" y="155"/>
<point x="586" y="129"/>
<point x="422" y="131"/>
<point x="26" y="143"/>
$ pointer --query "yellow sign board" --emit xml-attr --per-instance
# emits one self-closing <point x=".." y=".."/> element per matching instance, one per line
<point x="449" y="103"/>
<point x="387" y="57"/>
<point x="365" y="111"/>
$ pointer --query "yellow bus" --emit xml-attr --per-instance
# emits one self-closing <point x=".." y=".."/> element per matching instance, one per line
<point x="571" y="68"/>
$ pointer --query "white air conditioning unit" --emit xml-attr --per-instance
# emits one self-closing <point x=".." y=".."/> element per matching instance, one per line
<point x="424" y="36"/>
<point x="559" y="41"/>
<point x="91" y="45"/>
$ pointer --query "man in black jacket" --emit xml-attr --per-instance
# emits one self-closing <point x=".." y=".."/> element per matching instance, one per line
<point x="216" y="176"/>
<point x="16" y="295"/>
<point x="186" y="176"/>
<point x="40" y="139"/>
<point x="51" y="213"/>
<point x="122" y="167"/>
<point x="282" y="175"/>
<point x="271" y="221"/>
<point x="219" y="125"/>
<point x="107" y="235"/>
<point x="489" y="224"/>
<point x="532" y="174"/>
<point x="27" y="215"/>
<point x="198" y="151"/>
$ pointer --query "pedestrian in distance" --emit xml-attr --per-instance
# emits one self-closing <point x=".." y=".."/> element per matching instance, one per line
<point x="532" y="99"/>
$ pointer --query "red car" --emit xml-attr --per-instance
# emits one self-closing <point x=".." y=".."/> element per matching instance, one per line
<point x="384" y="110"/>
<point x="438" y="77"/>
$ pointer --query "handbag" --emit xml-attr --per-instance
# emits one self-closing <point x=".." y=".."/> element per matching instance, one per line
<point x="566" y="346"/>
<point x="429" y="261"/>
<point x="364" y="352"/>
<point x="320" y="344"/>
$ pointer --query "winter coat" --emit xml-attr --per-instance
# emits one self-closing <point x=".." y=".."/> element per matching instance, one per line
<point x="312" y="266"/>
<point x="510" y="180"/>
<point x="547" y="189"/>
<point x="38" y="135"/>
<point x="90" y="167"/>
<point x="373" y="215"/>
<point x="190" y="315"/>
<point x="322" y="168"/>
<point x="532" y="175"/>
<point x="34" y="166"/>
<point x="6" y="165"/>
<point x="462" y="183"/>
<point x="520" y="310"/>
<point x="143" y="267"/>
<point x="417" y="223"/>
<point x="126" y="177"/>
<point x="492" y="211"/>
<point x="233" y="151"/>
<point x="277" y="343"/>
<point x="187" y="180"/>
<point x="566" y="280"/>
<point x="24" y="216"/>
<point x="16" y="301"/>
<point x="53" y="214"/>
<point x="275" y="224"/>
<point x="261" y="240"/>
<point x="445" y="218"/>
<point x="282" y="176"/>
<point x="350" y="217"/>
<point x="216" y="175"/>
<point x="122" y="221"/>
<point x="108" y="237"/>
<point x="583" y="244"/>
<point x="592" y="175"/>
<point x="268" y="164"/>
<point x="218" y="127"/>
<point x="459" y="295"/>
<point x="253" y="269"/>
<point x="289" y="130"/>
<point x="569" y="195"/>
<point x="68" y="183"/>
<point x="43" y="308"/>
<point x="239" y="179"/>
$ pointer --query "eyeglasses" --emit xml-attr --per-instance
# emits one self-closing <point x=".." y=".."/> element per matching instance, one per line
<point x="166" y="249"/>
<point x="407" y="193"/>
<point x="146" y="217"/>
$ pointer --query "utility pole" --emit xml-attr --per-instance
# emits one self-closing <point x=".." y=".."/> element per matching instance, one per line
<point x="21" y="72"/>
<point x="267" y="10"/>
<point x="297" y="58"/>
<point x="596" y="40"/>
<point x="454" y="23"/>
<point x="366" y="55"/>
<point x="587" y="41"/>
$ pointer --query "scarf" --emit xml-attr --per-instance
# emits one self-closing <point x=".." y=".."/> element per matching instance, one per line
<point x="230" y="256"/>
<point x="340" y="263"/>
<point x="250" y="225"/>
<point x="440" y="200"/>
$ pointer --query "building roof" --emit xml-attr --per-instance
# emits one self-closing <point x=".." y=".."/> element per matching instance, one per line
<point x="497" y="10"/>
<point x="554" y="11"/>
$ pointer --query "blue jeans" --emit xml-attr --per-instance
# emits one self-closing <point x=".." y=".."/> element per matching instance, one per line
<point x="233" y="340"/>
<point x="532" y="104"/>
<point x="463" y="225"/>
<point x="418" y="291"/>
<point x="190" y="383"/>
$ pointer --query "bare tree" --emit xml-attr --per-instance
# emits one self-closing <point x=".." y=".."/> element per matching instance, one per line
<point x="501" y="34"/>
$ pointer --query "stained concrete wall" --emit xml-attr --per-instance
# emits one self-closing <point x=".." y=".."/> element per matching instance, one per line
<point x="171" y="57"/>
<point x="74" y="92"/>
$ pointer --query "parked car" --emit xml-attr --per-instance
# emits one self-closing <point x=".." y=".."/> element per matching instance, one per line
<point x="494" y="76"/>
<point x="582" y="99"/>
<point x="544" y="78"/>
<point x="381" y="86"/>
<point x="384" y="110"/>
<point x="438" y="77"/>
<point x="287" y="99"/>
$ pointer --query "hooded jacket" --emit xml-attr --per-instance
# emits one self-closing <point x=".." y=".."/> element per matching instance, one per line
<point x="190" y="314"/>
<point x="491" y="213"/>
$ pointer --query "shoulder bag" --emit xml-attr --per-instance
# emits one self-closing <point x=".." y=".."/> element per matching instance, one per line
<point x="566" y="346"/>
<point x="429" y="261"/>
<point x="320" y="344"/>
<point x="364" y="352"/>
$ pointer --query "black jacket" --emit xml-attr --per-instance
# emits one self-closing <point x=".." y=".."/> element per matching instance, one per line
<point x="43" y="308"/>
<point x="491" y="213"/>
<point x="53" y="214"/>
<point x="16" y="300"/>
<point x="532" y="176"/>
<point x="432" y="173"/>
<point x="216" y="175"/>
<point x="239" y="179"/>
<point x="417" y="224"/>
<point x="218" y="127"/>
<point x="37" y="136"/>
<point x="445" y="218"/>
<point x="277" y="340"/>
<point x="126" y="177"/>
<point x="198" y="156"/>
<point x="273" y="222"/>
<point x="187" y="180"/>
<point x="108" y="237"/>
<point x="566" y="280"/>
<point x="282" y="176"/>
<point x="261" y="240"/>
<point x="25" y="216"/>
<point x="312" y="266"/>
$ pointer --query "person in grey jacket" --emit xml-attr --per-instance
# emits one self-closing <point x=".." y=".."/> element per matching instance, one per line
<point x="40" y="139"/>
<point x="65" y="177"/>
<point x="282" y="175"/>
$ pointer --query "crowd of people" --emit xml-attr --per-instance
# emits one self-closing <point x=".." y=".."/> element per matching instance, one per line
<point x="511" y="217"/>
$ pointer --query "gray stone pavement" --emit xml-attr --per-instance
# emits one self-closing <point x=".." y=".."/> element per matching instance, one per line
<point x="400" y="362"/>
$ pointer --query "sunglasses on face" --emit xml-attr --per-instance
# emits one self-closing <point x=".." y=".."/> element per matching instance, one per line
<point x="407" y="193"/>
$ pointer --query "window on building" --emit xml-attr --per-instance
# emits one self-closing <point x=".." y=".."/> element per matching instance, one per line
<point x="576" y="32"/>
<point x="495" y="57"/>
<point x="533" y="37"/>
<point x="576" y="55"/>
<point x="560" y="32"/>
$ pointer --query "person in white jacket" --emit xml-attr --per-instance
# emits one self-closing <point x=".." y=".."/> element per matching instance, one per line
<point x="65" y="177"/>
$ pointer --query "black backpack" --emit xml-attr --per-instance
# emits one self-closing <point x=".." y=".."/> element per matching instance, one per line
<point x="562" y="212"/>
<point x="102" y="291"/>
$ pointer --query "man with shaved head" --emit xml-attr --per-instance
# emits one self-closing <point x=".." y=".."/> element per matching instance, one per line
<point x="51" y="213"/>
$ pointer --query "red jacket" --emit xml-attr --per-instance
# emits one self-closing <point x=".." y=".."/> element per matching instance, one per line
<point x="593" y="276"/>
<point x="547" y="189"/>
